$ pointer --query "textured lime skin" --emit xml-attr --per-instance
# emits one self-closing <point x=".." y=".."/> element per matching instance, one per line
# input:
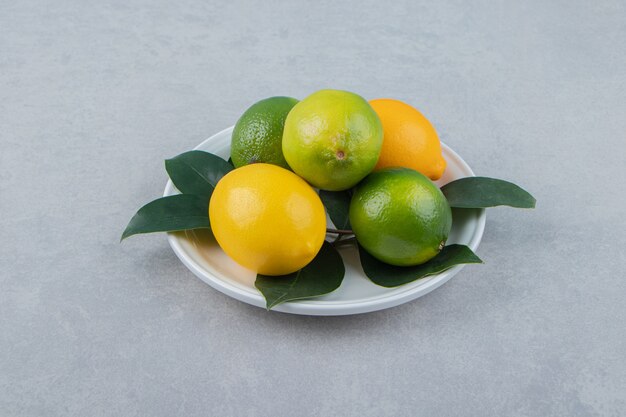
<point x="258" y="134"/>
<point x="332" y="139"/>
<point x="400" y="217"/>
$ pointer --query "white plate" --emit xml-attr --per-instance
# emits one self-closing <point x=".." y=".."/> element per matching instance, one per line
<point x="357" y="294"/>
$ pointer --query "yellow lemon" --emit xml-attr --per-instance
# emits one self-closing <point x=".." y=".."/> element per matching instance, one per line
<point x="409" y="139"/>
<point x="267" y="219"/>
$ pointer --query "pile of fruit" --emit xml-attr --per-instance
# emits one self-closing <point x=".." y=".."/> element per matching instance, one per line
<point x="370" y="165"/>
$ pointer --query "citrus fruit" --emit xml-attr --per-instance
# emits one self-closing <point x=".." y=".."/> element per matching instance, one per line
<point x="400" y="217"/>
<point x="332" y="139"/>
<point x="267" y="219"/>
<point x="409" y="139"/>
<point x="258" y="134"/>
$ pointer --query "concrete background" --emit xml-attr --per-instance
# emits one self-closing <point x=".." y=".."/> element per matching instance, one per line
<point x="94" y="95"/>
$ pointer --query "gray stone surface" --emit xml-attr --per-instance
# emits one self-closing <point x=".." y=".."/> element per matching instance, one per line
<point x="93" y="97"/>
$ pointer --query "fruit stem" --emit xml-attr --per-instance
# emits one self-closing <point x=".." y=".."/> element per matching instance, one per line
<point x="340" y="231"/>
<point x="337" y="243"/>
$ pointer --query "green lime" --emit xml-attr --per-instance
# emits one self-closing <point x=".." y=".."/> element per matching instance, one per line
<point x="400" y="217"/>
<point x="332" y="139"/>
<point x="258" y="134"/>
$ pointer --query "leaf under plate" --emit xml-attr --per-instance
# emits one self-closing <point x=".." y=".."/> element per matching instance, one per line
<point x="321" y="276"/>
<point x="172" y="213"/>
<point x="387" y="275"/>
<point x="196" y="172"/>
<point x="481" y="192"/>
<point x="338" y="205"/>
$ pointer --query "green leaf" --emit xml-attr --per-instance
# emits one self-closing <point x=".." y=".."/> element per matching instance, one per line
<point x="338" y="205"/>
<point x="480" y="192"/>
<point x="321" y="276"/>
<point x="196" y="172"/>
<point x="391" y="276"/>
<point x="172" y="213"/>
<point x="230" y="161"/>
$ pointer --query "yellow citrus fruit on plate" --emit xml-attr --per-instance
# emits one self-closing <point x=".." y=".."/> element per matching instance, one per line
<point x="267" y="219"/>
<point x="409" y="139"/>
<point x="400" y="217"/>
<point x="332" y="139"/>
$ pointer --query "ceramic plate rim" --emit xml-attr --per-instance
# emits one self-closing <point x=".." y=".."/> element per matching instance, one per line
<point x="314" y="306"/>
